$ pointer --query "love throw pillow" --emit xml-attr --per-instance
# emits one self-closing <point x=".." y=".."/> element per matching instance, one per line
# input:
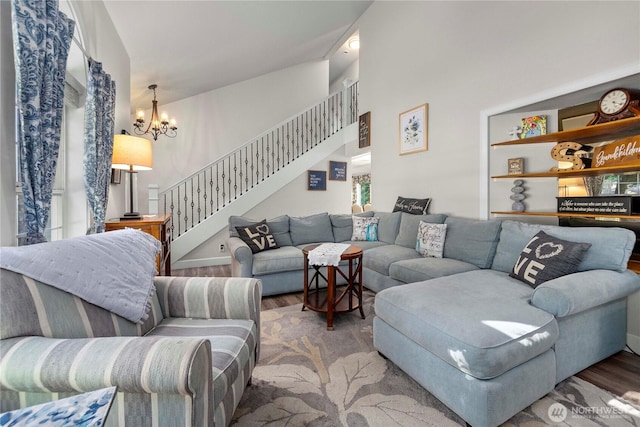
<point x="546" y="257"/>
<point x="258" y="236"/>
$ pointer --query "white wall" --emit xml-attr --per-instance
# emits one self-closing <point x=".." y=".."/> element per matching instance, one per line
<point x="8" y="228"/>
<point x="350" y="74"/>
<point x="467" y="57"/>
<point x="103" y="43"/>
<point x="214" y="123"/>
<point x="463" y="58"/>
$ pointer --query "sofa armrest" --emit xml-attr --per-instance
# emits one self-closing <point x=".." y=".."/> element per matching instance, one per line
<point x="241" y="257"/>
<point x="211" y="298"/>
<point x="581" y="291"/>
<point x="169" y="365"/>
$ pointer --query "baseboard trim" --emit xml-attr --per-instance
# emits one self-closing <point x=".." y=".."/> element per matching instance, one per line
<point x="201" y="262"/>
<point x="633" y="341"/>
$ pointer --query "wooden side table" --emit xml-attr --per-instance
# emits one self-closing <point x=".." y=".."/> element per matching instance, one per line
<point x="159" y="226"/>
<point x="325" y="300"/>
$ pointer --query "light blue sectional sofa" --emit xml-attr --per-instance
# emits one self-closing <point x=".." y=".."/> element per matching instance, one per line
<point x="486" y="344"/>
<point x="186" y="365"/>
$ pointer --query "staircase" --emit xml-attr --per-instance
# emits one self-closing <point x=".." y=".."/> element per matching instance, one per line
<point x="200" y="205"/>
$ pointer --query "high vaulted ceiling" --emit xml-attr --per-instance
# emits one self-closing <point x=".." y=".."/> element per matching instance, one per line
<point x="190" y="47"/>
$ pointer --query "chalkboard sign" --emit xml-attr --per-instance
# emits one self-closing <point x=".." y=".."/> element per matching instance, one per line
<point x="364" y="132"/>
<point x="317" y="180"/>
<point x="338" y="171"/>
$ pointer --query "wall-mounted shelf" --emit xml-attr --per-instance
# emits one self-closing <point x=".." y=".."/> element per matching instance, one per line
<point x="597" y="133"/>
<point x="575" y="173"/>
<point x="566" y="215"/>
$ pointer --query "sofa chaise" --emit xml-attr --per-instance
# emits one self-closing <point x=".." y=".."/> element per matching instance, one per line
<point x="483" y="342"/>
<point x="187" y="364"/>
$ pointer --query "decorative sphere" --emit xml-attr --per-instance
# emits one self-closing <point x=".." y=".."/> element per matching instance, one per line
<point x="517" y="207"/>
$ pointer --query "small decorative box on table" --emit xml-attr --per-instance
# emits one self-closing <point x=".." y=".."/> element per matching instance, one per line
<point x="324" y="300"/>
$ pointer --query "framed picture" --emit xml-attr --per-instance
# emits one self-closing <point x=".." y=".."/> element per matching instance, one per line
<point x="337" y="171"/>
<point x="316" y="180"/>
<point x="364" y="130"/>
<point x="413" y="127"/>
<point x="577" y="116"/>
<point x="533" y="126"/>
<point x="515" y="166"/>
<point x="116" y="176"/>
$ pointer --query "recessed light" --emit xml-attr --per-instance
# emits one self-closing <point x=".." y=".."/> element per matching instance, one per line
<point x="354" y="43"/>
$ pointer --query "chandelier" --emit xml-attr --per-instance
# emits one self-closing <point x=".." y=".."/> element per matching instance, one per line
<point x="158" y="125"/>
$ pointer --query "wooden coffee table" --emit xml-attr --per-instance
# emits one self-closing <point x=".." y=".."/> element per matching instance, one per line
<point x="324" y="300"/>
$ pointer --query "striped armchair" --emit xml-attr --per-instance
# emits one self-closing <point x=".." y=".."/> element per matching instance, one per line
<point x="186" y="365"/>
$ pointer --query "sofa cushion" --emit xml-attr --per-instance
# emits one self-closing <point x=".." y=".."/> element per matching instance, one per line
<point x="311" y="229"/>
<point x="409" y="227"/>
<point x="472" y="240"/>
<point x="419" y="269"/>
<point x="480" y="322"/>
<point x="285" y="258"/>
<point x="547" y="258"/>
<point x="342" y="225"/>
<point x="610" y="247"/>
<point x="257" y="236"/>
<point x="233" y="345"/>
<point x="279" y="227"/>
<point x="380" y="259"/>
<point x="411" y="206"/>
<point x="430" y="239"/>
<point x="365" y="229"/>
<point x="388" y="226"/>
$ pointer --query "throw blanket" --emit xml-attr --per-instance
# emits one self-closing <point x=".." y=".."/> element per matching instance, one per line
<point x="327" y="254"/>
<point x="112" y="270"/>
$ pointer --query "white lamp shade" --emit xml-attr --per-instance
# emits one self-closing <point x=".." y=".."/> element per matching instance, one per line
<point x="131" y="153"/>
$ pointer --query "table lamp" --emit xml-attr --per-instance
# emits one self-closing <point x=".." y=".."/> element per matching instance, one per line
<point x="133" y="154"/>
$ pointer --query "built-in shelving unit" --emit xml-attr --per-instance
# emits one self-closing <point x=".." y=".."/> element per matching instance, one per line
<point x="585" y="135"/>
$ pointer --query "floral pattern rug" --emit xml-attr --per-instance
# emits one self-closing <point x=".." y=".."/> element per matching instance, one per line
<point x="308" y="376"/>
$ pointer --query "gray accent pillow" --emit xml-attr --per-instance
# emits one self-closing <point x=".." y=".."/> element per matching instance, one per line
<point x="546" y="258"/>
<point x="279" y="227"/>
<point x="407" y="235"/>
<point x="388" y="226"/>
<point x="311" y="229"/>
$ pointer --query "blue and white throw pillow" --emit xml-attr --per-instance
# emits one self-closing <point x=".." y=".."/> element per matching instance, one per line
<point x="430" y="242"/>
<point x="365" y="228"/>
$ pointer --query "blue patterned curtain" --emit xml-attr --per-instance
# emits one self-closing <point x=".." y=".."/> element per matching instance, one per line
<point x="41" y="39"/>
<point x="98" y="142"/>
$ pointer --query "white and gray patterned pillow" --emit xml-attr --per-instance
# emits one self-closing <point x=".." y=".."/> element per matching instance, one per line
<point x="546" y="257"/>
<point x="430" y="241"/>
<point x="365" y="229"/>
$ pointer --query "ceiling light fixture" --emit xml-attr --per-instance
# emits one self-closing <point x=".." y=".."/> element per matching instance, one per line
<point x="354" y="43"/>
<point x="158" y="125"/>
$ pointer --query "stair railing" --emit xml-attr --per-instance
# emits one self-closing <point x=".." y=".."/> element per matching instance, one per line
<point x="207" y="191"/>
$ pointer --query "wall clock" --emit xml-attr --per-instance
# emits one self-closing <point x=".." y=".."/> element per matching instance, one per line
<point x="617" y="104"/>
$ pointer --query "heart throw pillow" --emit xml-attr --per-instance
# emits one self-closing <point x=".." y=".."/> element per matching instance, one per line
<point x="546" y="257"/>
<point x="257" y="236"/>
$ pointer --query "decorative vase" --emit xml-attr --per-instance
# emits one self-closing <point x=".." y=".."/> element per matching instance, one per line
<point x="518" y="196"/>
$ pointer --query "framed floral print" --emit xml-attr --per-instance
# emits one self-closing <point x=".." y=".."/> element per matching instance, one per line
<point x="413" y="126"/>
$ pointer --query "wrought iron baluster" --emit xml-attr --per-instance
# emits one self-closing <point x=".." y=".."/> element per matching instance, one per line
<point x="179" y="213"/>
<point x="204" y="184"/>
<point x="257" y="162"/>
<point x="235" y="177"/>
<point x="186" y="199"/>
<point x="267" y="155"/>
<point x="217" y="187"/>
<point x="229" y="180"/>
<point x="278" y="147"/>
<point x="288" y="144"/>
<point x="199" y="210"/>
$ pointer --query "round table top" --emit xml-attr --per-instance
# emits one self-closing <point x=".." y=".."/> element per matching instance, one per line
<point x="352" y="251"/>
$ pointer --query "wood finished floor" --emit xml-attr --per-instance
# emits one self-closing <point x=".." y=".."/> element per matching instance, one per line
<point x="619" y="374"/>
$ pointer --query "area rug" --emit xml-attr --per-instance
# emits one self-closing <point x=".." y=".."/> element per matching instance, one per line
<point x="308" y="376"/>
